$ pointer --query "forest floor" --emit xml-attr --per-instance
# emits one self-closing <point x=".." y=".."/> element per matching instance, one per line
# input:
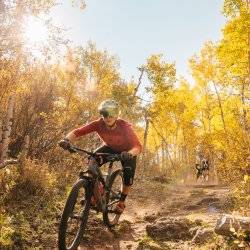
<point x="158" y="215"/>
<point x="151" y="200"/>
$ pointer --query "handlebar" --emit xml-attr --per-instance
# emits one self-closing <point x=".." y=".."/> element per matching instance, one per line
<point x="108" y="156"/>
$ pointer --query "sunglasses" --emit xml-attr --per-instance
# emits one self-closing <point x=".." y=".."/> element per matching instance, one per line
<point x="106" y="114"/>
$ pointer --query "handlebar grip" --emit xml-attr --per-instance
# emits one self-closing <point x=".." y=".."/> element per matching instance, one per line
<point x="72" y="150"/>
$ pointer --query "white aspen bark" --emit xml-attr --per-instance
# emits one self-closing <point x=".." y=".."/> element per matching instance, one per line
<point x="5" y="138"/>
<point x="176" y="146"/>
<point x="141" y="69"/>
<point x="162" y="155"/>
<point x="157" y="153"/>
<point x="163" y="139"/>
<point x="221" y="109"/>
<point x="7" y="129"/>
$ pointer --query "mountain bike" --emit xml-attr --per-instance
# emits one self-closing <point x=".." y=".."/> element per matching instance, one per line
<point x="98" y="193"/>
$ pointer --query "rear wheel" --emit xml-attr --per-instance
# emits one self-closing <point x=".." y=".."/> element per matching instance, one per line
<point x="113" y="194"/>
<point x="75" y="216"/>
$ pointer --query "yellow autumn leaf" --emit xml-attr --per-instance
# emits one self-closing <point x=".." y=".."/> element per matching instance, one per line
<point x="246" y="177"/>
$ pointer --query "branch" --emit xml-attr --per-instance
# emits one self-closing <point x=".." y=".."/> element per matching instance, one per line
<point x="162" y="137"/>
<point x="8" y="162"/>
<point x="141" y="69"/>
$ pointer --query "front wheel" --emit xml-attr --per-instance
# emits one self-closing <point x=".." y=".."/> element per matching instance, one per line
<point x="113" y="194"/>
<point x="75" y="216"/>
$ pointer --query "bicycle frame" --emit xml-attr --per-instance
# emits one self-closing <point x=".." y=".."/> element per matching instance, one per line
<point x="94" y="182"/>
<point x="85" y="195"/>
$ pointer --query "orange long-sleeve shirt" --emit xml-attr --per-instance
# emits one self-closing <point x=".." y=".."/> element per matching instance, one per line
<point x="122" y="138"/>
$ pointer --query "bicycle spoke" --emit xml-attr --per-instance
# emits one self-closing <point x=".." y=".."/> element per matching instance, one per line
<point x="111" y="217"/>
<point x="75" y="217"/>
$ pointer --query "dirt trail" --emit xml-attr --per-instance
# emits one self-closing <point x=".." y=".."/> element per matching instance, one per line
<point x="150" y="200"/>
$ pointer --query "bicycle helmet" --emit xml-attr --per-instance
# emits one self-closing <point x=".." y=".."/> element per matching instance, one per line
<point x="109" y="108"/>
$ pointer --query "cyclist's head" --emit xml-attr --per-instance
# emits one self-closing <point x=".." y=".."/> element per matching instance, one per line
<point x="109" y="108"/>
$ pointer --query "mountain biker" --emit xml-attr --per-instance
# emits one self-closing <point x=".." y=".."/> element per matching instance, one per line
<point x="205" y="164"/>
<point x="201" y="167"/>
<point x="118" y="138"/>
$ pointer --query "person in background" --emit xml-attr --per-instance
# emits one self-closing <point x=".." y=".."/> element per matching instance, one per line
<point x="201" y="167"/>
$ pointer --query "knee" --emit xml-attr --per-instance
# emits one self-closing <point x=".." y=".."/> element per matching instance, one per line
<point x="128" y="176"/>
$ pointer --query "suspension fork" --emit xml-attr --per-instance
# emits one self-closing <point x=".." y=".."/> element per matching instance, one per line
<point x="110" y="168"/>
<point x="90" y="183"/>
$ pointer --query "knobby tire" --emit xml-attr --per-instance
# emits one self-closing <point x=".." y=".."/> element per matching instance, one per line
<point x="110" y="223"/>
<point x="69" y="207"/>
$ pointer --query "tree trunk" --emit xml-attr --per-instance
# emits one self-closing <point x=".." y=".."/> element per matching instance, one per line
<point x="162" y="155"/>
<point x="246" y="82"/>
<point x="203" y="121"/>
<point x="157" y="154"/>
<point x="145" y="143"/>
<point x="166" y="158"/>
<point x="244" y="115"/>
<point x="142" y="69"/>
<point x="221" y="109"/>
<point x="1" y="137"/>
<point x="208" y="110"/>
<point x="163" y="139"/>
<point x="6" y="130"/>
<point x="248" y="33"/>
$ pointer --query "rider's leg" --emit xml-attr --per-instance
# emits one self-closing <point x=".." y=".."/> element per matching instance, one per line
<point x="128" y="176"/>
<point x="197" y="175"/>
<point x="129" y="167"/>
<point x="94" y="165"/>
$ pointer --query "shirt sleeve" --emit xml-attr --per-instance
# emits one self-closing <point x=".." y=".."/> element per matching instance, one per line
<point x="132" y="137"/>
<point x="86" y="129"/>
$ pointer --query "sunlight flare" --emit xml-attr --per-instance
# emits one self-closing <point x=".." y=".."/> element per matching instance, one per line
<point x="36" y="31"/>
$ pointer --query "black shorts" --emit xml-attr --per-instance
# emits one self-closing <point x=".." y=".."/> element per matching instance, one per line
<point x="128" y="166"/>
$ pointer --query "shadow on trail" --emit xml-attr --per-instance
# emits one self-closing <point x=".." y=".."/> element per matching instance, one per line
<point x="98" y="236"/>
